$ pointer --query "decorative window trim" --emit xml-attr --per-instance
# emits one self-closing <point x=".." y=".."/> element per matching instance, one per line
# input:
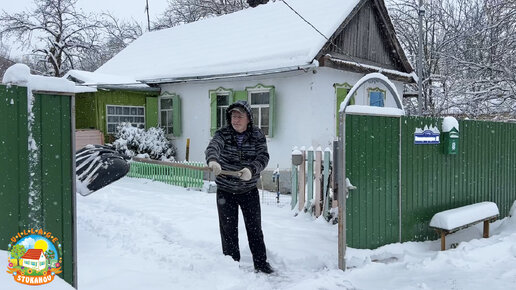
<point x="214" y="107"/>
<point x="176" y="113"/>
<point x="260" y="88"/>
<point x="376" y="89"/>
<point x="123" y="115"/>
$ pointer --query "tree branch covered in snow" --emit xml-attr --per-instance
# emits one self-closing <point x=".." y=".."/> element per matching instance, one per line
<point x="55" y="31"/>
<point x="469" y="60"/>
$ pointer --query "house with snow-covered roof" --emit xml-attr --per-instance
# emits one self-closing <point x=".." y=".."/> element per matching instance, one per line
<point x="294" y="61"/>
<point x="106" y="100"/>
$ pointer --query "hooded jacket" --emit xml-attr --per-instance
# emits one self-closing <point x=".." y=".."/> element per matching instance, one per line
<point x="252" y="153"/>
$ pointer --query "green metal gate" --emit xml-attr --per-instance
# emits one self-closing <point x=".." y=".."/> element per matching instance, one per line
<point x="372" y="165"/>
<point x="49" y="171"/>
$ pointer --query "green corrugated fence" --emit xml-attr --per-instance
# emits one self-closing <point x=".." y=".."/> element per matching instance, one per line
<point x="401" y="185"/>
<point x="179" y="176"/>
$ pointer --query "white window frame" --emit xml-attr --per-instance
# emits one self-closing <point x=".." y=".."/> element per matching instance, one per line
<point x="171" y="110"/>
<point x="250" y="91"/>
<point x="135" y="124"/>
<point x="221" y="109"/>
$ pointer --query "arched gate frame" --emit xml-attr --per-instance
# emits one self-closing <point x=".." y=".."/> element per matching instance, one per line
<point x="343" y="187"/>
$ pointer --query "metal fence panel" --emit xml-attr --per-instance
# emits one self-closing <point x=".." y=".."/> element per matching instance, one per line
<point x="49" y="173"/>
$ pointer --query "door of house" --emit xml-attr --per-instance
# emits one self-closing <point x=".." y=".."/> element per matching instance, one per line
<point x="372" y="166"/>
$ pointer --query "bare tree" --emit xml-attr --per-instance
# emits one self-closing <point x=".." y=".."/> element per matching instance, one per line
<point x="56" y="32"/>
<point x="470" y="55"/>
<point x="115" y="35"/>
<point x="186" y="11"/>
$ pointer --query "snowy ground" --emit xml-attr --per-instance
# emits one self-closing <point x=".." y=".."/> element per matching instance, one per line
<point x="139" y="234"/>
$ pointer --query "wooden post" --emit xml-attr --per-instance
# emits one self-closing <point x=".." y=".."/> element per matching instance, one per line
<point x="187" y="157"/>
<point x="443" y="241"/>
<point x="486" y="229"/>
<point x="326" y="210"/>
<point x="318" y="178"/>
<point x="302" y="181"/>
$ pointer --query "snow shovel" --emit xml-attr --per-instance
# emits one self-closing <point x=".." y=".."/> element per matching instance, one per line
<point x="97" y="166"/>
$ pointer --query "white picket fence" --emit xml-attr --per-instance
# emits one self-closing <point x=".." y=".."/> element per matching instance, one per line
<point x="311" y="181"/>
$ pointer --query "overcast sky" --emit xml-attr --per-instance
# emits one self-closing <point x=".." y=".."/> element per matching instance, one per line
<point x="122" y="8"/>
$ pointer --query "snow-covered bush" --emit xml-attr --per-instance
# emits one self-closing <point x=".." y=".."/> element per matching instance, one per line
<point x="150" y="143"/>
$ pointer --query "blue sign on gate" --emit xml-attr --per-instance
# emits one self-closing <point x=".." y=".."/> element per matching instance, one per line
<point x="427" y="135"/>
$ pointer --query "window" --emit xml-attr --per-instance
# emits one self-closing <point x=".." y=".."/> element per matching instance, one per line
<point x="261" y="99"/>
<point x="220" y="99"/>
<point x="120" y="114"/>
<point x="260" y="105"/>
<point x="170" y="114"/>
<point x="376" y="97"/>
<point x="222" y="105"/>
<point x="41" y="263"/>
<point x="166" y="113"/>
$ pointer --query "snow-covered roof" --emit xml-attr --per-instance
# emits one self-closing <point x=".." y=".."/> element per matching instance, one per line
<point x="268" y="37"/>
<point x="100" y="80"/>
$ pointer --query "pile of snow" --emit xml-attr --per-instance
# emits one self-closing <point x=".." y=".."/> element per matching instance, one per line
<point x="449" y="123"/>
<point x="461" y="216"/>
<point x="150" y="143"/>
<point x="140" y="234"/>
<point x="19" y="74"/>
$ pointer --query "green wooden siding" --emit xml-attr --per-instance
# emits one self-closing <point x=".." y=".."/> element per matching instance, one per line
<point x="85" y="112"/>
<point x="51" y="171"/>
<point x="91" y="107"/>
<point x="372" y="166"/>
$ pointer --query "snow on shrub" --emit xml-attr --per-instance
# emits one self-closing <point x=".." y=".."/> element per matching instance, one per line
<point x="150" y="143"/>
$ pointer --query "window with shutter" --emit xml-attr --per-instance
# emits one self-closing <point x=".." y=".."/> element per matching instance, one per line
<point x="262" y="101"/>
<point x="341" y="91"/>
<point x="170" y="114"/>
<point x="220" y="99"/>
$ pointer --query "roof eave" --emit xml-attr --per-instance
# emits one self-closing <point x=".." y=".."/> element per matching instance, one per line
<point x="304" y="67"/>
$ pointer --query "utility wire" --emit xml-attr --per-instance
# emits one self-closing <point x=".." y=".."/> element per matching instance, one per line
<point x="339" y="49"/>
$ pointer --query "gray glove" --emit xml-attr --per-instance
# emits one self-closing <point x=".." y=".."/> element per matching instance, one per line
<point x="215" y="167"/>
<point x="245" y="174"/>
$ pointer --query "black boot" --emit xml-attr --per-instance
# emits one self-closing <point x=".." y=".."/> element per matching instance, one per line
<point x="264" y="268"/>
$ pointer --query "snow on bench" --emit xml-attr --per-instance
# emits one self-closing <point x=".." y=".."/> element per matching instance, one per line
<point x="452" y="220"/>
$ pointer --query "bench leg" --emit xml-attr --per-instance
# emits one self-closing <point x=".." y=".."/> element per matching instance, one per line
<point x="486" y="229"/>
<point x="443" y="241"/>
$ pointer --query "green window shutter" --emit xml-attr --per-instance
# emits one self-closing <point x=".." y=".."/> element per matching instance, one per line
<point x="176" y="116"/>
<point x="272" y="112"/>
<point x="240" y="96"/>
<point x="213" y="110"/>
<point x="341" y="92"/>
<point x="151" y="112"/>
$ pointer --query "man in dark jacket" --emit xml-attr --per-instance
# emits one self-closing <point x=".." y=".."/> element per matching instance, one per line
<point x="240" y="147"/>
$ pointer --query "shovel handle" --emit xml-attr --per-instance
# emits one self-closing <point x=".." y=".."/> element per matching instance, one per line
<point x="181" y="165"/>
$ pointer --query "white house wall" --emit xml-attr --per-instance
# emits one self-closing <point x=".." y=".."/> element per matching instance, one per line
<point x="305" y="110"/>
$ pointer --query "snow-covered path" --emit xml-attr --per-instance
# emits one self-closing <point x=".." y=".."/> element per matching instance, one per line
<point x="140" y="234"/>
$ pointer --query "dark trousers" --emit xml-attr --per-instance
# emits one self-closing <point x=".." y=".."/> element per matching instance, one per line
<point x="249" y="202"/>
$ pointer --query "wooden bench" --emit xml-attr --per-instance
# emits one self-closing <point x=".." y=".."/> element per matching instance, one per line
<point x="452" y="220"/>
